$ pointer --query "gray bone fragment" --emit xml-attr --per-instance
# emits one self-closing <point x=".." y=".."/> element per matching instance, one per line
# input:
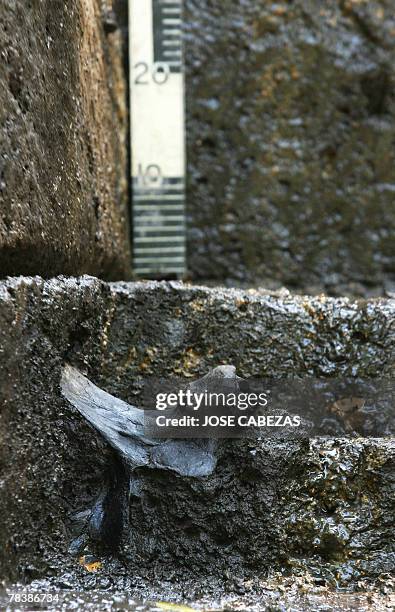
<point x="122" y="426"/>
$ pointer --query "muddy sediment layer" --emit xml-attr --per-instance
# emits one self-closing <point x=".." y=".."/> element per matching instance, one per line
<point x="63" y="133"/>
<point x="325" y="505"/>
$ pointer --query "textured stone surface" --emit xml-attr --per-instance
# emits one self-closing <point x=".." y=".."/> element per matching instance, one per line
<point x="291" y="123"/>
<point x="63" y="140"/>
<point x="340" y="492"/>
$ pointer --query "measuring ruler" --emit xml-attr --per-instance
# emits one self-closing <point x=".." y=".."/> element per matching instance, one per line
<point x="157" y="137"/>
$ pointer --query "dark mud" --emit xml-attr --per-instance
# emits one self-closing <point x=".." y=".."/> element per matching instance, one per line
<point x="324" y="507"/>
<point x="63" y="133"/>
<point x="291" y="120"/>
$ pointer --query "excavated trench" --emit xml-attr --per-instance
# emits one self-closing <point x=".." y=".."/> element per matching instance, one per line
<point x="290" y="120"/>
<point x="319" y="511"/>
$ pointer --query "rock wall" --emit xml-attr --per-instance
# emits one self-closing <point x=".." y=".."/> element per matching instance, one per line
<point x="53" y="465"/>
<point x="290" y="119"/>
<point x="291" y="123"/>
<point x="63" y="141"/>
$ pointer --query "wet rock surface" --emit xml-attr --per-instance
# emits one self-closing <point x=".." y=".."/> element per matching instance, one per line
<point x="275" y="595"/>
<point x="63" y="167"/>
<point x="322" y="506"/>
<point x="290" y="119"/>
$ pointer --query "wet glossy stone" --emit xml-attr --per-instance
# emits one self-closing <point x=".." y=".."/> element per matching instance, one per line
<point x="323" y="506"/>
<point x="290" y="118"/>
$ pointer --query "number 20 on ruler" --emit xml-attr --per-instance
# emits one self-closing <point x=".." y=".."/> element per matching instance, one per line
<point x="157" y="136"/>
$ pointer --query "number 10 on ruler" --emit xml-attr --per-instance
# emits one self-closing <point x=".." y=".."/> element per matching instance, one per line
<point x="157" y="137"/>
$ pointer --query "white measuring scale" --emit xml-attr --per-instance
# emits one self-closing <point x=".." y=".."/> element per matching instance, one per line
<point x="157" y="137"/>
